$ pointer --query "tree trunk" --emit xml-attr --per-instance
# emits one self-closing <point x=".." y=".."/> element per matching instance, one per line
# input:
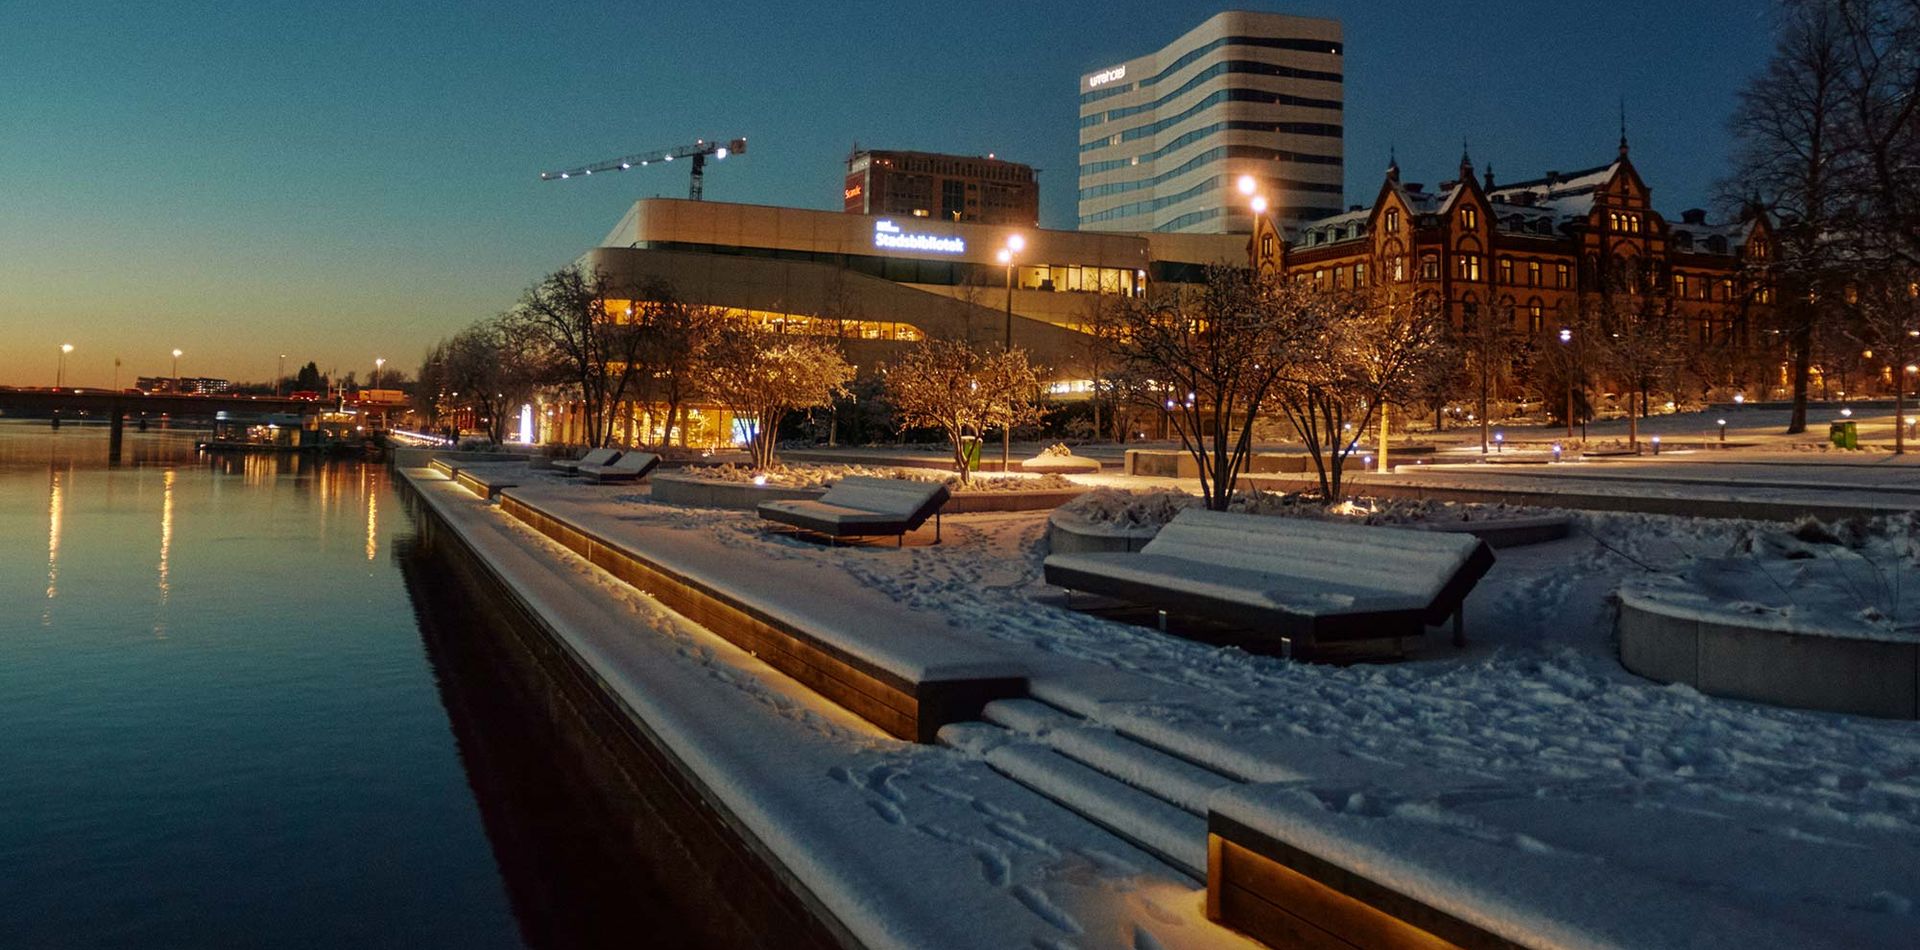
<point x="1802" y="345"/>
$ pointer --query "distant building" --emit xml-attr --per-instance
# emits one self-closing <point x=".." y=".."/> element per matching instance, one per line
<point x="1164" y="138"/>
<point x="1533" y="253"/>
<point x="197" y="385"/>
<point x="952" y="188"/>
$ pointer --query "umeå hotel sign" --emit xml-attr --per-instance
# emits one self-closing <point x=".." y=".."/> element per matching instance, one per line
<point x="888" y="235"/>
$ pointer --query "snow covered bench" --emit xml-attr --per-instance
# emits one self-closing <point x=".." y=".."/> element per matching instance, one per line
<point x="594" y="457"/>
<point x="858" y="506"/>
<point x="630" y="467"/>
<point x="1309" y="581"/>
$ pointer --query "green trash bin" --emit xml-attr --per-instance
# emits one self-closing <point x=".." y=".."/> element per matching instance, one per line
<point x="1844" y="434"/>
<point x="971" y="446"/>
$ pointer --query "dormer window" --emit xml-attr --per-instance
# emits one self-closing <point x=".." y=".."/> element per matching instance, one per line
<point x="1469" y="218"/>
<point x="1393" y="220"/>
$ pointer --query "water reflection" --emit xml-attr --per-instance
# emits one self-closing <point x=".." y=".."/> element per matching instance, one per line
<point x="55" y="505"/>
<point x="166" y="550"/>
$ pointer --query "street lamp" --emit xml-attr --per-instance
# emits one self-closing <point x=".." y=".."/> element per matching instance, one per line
<point x="60" y="373"/>
<point x="377" y="363"/>
<point x="1566" y="337"/>
<point x="176" y="369"/>
<point x="280" y="377"/>
<point x="1015" y="244"/>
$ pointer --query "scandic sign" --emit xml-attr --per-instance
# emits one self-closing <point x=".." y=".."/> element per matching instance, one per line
<point x="888" y="235"/>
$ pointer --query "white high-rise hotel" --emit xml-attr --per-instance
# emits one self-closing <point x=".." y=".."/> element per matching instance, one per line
<point x="1164" y="137"/>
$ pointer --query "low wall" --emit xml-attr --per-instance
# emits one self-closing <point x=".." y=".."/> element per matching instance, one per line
<point x="1170" y="463"/>
<point x="1781" y="667"/>
<point x="1083" y="539"/>
<point x="676" y="489"/>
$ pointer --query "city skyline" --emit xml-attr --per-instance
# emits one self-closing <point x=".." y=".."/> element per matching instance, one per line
<point x="351" y="184"/>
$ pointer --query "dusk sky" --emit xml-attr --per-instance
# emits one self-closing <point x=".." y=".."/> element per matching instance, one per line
<point x="357" y="179"/>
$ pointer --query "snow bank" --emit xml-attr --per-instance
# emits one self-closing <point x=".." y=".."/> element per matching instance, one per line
<point x="1120" y="509"/>
<point x="825" y="475"/>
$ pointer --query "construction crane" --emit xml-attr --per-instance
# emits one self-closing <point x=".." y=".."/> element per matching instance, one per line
<point x="698" y="152"/>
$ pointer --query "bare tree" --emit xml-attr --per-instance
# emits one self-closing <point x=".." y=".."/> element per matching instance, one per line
<point x="950" y="386"/>
<point x="1641" y="343"/>
<point x="1213" y="356"/>
<point x="1881" y="92"/>
<point x="760" y="375"/>
<point x="483" y="366"/>
<point x="1366" y="349"/>
<point x="599" y="354"/>
<point x="1887" y="304"/>
<point x="1792" y="153"/>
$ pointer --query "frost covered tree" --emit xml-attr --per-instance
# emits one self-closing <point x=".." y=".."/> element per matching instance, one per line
<point x="1359" y="351"/>
<point x="760" y="375"/>
<point x="1211" y="358"/>
<point x="950" y="386"/>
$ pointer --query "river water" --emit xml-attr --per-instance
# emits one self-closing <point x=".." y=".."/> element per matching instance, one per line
<point x="219" y="722"/>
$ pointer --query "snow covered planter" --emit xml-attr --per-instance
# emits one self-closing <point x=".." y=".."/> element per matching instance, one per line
<point x="744" y="487"/>
<point x="1112" y="519"/>
<point x="1813" y="617"/>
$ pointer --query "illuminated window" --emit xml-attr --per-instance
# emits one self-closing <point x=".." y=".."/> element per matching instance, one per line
<point x="1399" y="269"/>
<point x="1339" y="278"/>
<point x="1393" y="220"/>
<point x="1563" y="274"/>
<point x="1506" y="270"/>
<point x="1536" y="318"/>
<point x="1533" y="273"/>
<point x="1359" y="276"/>
<point x="1468" y="267"/>
<point x="1429" y="267"/>
<point x="1469" y="218"/>
<point x="1680" y="286"/>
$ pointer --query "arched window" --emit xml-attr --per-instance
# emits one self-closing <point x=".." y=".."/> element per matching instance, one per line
<point x="1469" y="218"/>
<point x="1393" y="220"/>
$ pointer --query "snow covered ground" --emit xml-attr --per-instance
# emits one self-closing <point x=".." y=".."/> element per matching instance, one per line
<point x="1534" y="736"/>
<point x="812" y="475"/>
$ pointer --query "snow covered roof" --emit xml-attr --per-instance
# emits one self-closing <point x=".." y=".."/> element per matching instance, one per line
<point x="1567" y="197"/>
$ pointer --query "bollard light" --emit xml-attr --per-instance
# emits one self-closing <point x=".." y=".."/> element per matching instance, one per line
<point x="1846" y="413"/>
<point x="1656" y="445"/>
<point x="1723" y="429"/>
<point x="1499" y="441"/>
<point x="1556" y="451"/>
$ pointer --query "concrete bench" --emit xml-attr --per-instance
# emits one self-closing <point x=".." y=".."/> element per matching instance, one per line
<point x="858" y="506"/>
<point x="630" y="467"/>
<point x="594" y="457"/>
<point x="1304" y="580"/>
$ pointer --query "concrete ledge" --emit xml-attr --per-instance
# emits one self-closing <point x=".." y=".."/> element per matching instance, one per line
<point x="1781" y="667"/>
<point x="677" y="489"/>
<point x="1507" y="532"/>
<point x="905" y="707"/>
<point x="1061" y="465"/>
<point x="674" y="488"/>
<point x="1286" y="897"/>
<point x="1077" y="539"/>
<point x="487" y="480"/>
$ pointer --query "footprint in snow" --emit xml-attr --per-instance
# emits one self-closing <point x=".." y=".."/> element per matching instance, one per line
<point x="880" y="781"/>
<point x="1047" y="910"/>
<point x="888" y="811"/>
<point x="1031" y="842"/>
<point x="991" y="810"/>
<point x="995" y="869"/>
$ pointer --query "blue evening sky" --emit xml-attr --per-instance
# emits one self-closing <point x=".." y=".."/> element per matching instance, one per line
<point x="355" y="179"/>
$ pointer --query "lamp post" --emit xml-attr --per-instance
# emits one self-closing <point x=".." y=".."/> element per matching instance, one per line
<point x="280" y="376"/>
<point x="1723" y="430"/>
<point x="1566" y="337"/>
<point x="60" y="372"/>
<point x="377" y="363"/>
<point x="1250" y="189"/>
<point x="1015" y="244"/>
<point x="176" y="369"/>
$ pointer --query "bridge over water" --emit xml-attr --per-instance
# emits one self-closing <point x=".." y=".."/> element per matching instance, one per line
<point x="116" y="407"/>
